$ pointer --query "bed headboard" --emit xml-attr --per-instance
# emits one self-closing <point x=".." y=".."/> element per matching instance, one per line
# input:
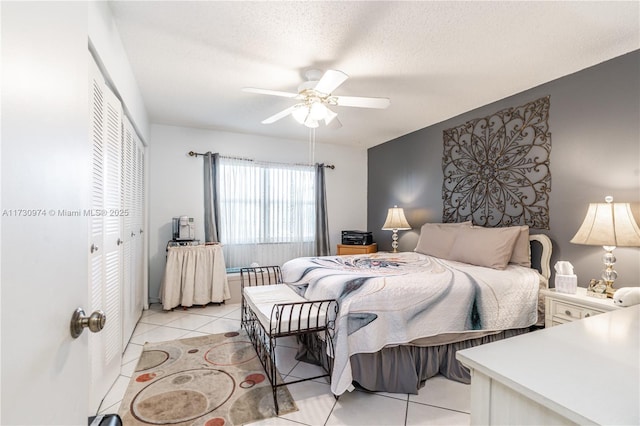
<point x="541" y="254"/>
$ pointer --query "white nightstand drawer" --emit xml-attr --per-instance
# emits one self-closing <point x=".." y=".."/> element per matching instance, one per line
<point x="565" y="310"/>
<point x="570" y="311"/>
<point x="591" y="312"/>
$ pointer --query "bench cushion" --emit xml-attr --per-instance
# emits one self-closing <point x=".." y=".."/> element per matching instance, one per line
<point x="261" y="299"/>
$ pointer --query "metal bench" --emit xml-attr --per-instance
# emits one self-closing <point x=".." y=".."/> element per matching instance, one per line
<point x="272" y="309"/>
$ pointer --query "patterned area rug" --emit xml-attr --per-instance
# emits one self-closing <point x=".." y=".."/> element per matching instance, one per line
<point x="212" y="380"/>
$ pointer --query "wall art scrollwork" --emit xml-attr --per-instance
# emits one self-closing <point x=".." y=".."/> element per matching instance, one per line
<point x="496" y="168"/>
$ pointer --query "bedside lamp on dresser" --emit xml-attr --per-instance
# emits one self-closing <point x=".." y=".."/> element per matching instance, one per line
<point x="609" y="225"/>
<point x="605" y="224"/>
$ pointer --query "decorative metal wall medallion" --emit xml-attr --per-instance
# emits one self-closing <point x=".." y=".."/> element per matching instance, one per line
<point x="496" y="168"/>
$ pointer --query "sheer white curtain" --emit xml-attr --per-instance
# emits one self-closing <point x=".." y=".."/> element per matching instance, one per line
<point x="267" y="211"/>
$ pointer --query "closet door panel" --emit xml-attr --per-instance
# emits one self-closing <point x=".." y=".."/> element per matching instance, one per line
<point x="140" y="215"/>
<point x="105" y="347"/>
<point x="112" y="227"/>
<point x="96" y="117"/>
<point x="131" y="285"/>
<point x="96" y="258"/>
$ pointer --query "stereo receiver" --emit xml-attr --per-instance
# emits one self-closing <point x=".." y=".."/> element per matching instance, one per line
<point x="359" y="238"/>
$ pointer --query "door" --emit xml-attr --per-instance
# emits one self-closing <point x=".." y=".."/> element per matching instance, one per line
<point x="140" y="266"/>
<point x="105" y="233"/>
<point x="133" y="199"/>
<point x="128" y="283"/>
<point x="44" y="234"/>
<point x="133" y="246"/>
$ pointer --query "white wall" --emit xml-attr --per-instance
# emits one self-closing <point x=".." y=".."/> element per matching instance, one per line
<point x="176" y="186"/>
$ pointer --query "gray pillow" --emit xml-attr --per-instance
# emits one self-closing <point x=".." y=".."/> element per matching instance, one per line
<point x="436" y="239"/>
<point x="489" y="247"/>
<point x="522" y="248"/>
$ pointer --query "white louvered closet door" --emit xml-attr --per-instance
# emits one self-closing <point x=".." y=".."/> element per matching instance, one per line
<point x="140" y="256"/>
<point x="127" y="196"/>
<point x="133" y="209"/>
<point x="105" y="347"/>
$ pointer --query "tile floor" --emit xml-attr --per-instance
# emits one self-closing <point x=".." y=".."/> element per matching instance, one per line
<point x="440" y="401"/>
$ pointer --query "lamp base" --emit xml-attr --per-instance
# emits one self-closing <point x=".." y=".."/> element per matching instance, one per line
<point x="394" y="243"/>
<point x="609" y="275"/>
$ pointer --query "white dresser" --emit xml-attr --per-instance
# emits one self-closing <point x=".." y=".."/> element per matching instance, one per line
<point x="583" y="372"/>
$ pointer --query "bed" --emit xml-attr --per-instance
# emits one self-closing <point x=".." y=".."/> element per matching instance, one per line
<point x="403" y="315"/>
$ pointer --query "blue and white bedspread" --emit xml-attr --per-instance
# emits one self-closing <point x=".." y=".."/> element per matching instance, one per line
<point x="392" y="299"/>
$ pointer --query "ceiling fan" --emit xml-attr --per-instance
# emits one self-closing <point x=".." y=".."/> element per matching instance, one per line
<point x="316" y="96"/>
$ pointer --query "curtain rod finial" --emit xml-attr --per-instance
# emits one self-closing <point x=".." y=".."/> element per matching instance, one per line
<point x="193" y="154"/>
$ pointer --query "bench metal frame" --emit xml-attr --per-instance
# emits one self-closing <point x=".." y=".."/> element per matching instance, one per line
<point x="281" y="325"/>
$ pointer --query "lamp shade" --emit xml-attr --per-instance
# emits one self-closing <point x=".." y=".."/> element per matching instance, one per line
<point x="395" y="219"/>
<point x="300" y="113"/>
<point x="608" y="224"/>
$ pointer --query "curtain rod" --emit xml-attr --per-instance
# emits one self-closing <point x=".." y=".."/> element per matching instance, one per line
<point x="195" y="154"/>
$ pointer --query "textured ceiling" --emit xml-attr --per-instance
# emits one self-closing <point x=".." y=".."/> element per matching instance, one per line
<point x="434" y="60"/>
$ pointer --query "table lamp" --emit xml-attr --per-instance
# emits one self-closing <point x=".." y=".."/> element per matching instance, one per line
<point x="609" y="225"/>
<point x="395" y="222"/>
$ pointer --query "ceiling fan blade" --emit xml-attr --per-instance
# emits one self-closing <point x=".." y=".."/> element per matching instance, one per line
<point x="361" y="102"/>
<point x="269" y="92"/>
<point x="280" y="115"/>
<point x="330" y="81"/>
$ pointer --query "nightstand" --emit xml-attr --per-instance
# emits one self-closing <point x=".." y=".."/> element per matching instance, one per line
<point x="564" y="307"/>
<point x="356" y="249"/>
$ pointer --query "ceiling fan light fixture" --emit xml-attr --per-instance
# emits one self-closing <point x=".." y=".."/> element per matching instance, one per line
<point x="301" y="113"/>
<point x="317" y="111"/>
<point x="329" y="116"/>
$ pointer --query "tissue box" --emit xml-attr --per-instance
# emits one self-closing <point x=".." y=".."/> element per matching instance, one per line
<point x="566" y="283"/>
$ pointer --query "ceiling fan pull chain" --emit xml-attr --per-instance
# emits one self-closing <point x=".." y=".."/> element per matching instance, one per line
<point x="312" y="146"/>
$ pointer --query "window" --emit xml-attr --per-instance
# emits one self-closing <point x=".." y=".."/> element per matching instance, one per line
<point x="267" y="211"/>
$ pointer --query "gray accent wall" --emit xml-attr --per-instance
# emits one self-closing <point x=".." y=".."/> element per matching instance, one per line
<point x="594" y="121"/>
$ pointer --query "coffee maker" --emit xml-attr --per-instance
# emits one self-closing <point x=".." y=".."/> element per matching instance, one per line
<point x="183" y="229"/>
